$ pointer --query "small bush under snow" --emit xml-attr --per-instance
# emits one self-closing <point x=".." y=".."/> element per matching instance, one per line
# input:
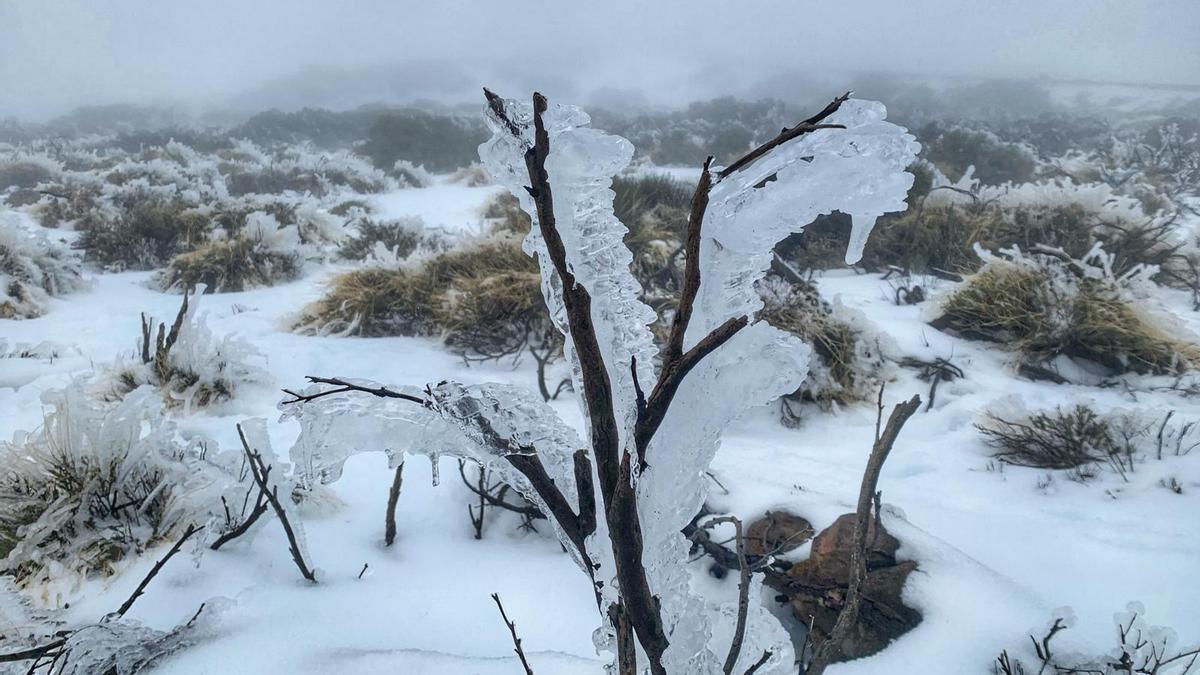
<point x="32" y="268"/>
<point x="185" y="361"/>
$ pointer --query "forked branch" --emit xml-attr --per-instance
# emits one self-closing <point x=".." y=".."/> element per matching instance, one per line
<point x="868" y="495"/>
<point x="260" y="470"/>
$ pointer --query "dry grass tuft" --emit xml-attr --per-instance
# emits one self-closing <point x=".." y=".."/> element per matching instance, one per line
<point x="847" y="364"/>
<point x="1043" y="314"/>
<point x="230" y="266"/>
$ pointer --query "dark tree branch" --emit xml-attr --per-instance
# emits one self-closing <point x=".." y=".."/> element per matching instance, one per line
<point x="496" y="104"/>
<point x="672" y="376"/>
<point x="344" y="386"/>
<point x="691" y="268"/>
<point x="389" y="529"/>
<point x="512" y="629"/>
<point x="867" y="495"/>
<point x="807" y="126"/>
<point x="759" y="663"/>
<point x="739" y="631"/>
<point x="586" y="488"/>
<point x="261" y="471"/>
<point x="141" y="588"/>
<point x="260" y="507"/>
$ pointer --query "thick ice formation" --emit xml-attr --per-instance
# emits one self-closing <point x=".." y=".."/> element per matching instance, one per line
<point x="858" y="170"/>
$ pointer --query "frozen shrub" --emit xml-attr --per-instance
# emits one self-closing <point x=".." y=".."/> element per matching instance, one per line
<point x="186" y="362"/>
<point x="411" y="175"/>
<point x="1140" y="649"/>
<point x="1062" y="439"/>
<point x="1045" y="308"/>
<point x="248" y="169"/>
<point x="1079" y="438"/>
<point x="400" y="237"/>
<point x="847" y="362"/>
<point x="148" y="230"/>
<point x="32" y="269"/>
<point x="349" y="207"/>
<point x="94" y="485"/>
<point x="654" y="209"/>
<point x="230" y="266"/>
<point x="953" y="150"/>
<point x="26" y="171"/>
<point x="473" y="175"/>
<point x="943" y="228"/>
<point x="69" y="199"/>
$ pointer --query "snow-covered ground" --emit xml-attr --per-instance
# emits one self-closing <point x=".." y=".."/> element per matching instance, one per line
<point x="998" y="548"/>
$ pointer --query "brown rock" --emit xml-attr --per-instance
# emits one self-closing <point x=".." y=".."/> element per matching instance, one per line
<point x="777" y="532"/>
<point x="882" y="616"/>
<point x="829" y="561"/>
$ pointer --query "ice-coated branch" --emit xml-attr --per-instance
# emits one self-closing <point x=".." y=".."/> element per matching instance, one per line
<point x="260" y="471"/>
<point x="345" y="386"/>
<point x="671" y="377"/>
<point x="809" y="125"/>
<point x="691" y="268"/>
<point x="867" y="496"/>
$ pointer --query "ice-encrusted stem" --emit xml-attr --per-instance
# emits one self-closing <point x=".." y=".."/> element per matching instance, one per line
<point x="612" y="462"/>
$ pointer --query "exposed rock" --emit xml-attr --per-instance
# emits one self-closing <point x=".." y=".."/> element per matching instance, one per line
<point x="882" y="617"/>
<point x="777" y="532"/>
<point x="829" y="562"/>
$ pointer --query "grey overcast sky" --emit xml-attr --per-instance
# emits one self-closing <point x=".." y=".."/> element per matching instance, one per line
<point x="56" y="54"/>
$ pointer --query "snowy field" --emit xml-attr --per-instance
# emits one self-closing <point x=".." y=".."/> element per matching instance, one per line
<point x="999" y="547"/>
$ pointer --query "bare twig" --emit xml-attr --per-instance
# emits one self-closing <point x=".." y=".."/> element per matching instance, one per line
<point x="344" y="386"/>
<point x="848" y="617"/>
<point x="807" y="126"/>
<point x="389" y="531"/>
<point x="260" y="507"/>
<point x="512" y="629"/>
<point x="137" y="592"/>
<point x="260" y="471"/>
<point x="739" y="631"/>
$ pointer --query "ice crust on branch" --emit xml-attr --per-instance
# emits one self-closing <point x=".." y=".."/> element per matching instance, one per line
<point x="858" y="170"/>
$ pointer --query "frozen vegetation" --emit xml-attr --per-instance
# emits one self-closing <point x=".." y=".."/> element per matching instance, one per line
<point x="658" y="386"/>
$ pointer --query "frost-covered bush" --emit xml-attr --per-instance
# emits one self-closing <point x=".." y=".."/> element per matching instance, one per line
<point x="472" y="175"/>
<point x="654" y="209"/>
<point x="260" y="253"/>
<point x="411" y="175"/>
<point x="942" y="230"/>
<point x="230" y="266"/>
<point x="27" y="171"/>
<point x="400" y="237"/>
<point x="249" y="169"/>
<point x="1079" y="438"/>
<point x="954" y="149"/>
<point x="1044" y="307"/>
<point x="1140" y="649"/>
<point x="148" y="229"/>
<point x="69" y="199"/>
<point x="186" y="362"/>
<point x="94" y="485"/>
<point x="847" y="362"/>
<point x="32" y="269"/>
